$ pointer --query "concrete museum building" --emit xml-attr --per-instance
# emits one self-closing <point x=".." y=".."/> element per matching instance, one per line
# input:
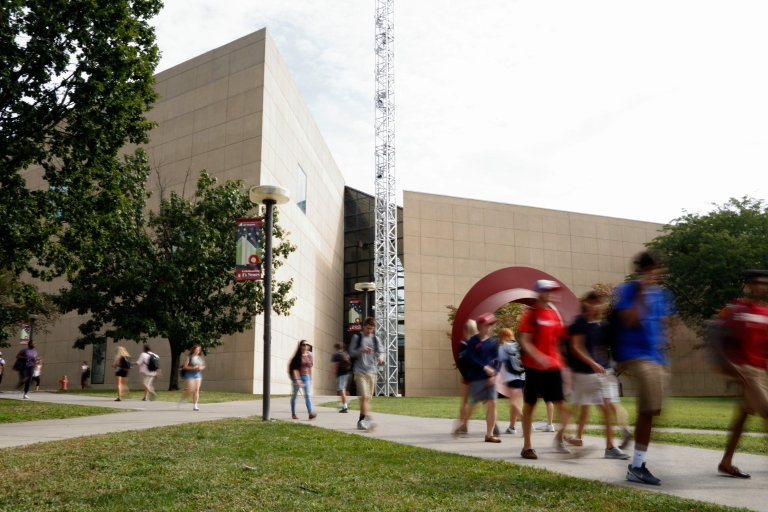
<point x="237" y="112"/>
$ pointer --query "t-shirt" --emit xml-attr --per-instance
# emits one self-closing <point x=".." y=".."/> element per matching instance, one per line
<point x="547" y="331"/>
<point x="749" y="324"/>
<point x="142" y="362"/>
<point x="2" y="365"/>
<point x="648" y="340"/>
<point x="306" y="364"/>
<point x="32" y="355"/>
<point x="336" y="358"/>
<point x="593" y="343"/>
<point x="38" y="370"/>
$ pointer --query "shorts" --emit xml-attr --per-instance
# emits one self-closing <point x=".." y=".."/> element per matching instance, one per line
<point x="545" y="383"/>
<point x="366" y="384"/>
<point x="651" y="379"/>
<point x="481" y="391"/>
<point x="342" y="381"/>
<point x="36" y="380"/>
<point x="755" y="399"/>
<point x="147" y="379"/>
<point x="516" y="384"/>
<point x="593" y="389"/>
<point x="192" y="375"/>
<point x="121" y="373"/>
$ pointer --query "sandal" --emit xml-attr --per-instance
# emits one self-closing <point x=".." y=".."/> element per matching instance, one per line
<point x="529" y="453"/>
<point x="734" y="472"/>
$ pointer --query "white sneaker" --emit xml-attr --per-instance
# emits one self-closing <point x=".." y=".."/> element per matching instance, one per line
<point x="616" y="453"/>
<point x="195" y="408"/>
<point x="370" y="425"/>
<point x="25" y="397"/>
<point x="511" y="430"/>
<point x="548" y="428"/>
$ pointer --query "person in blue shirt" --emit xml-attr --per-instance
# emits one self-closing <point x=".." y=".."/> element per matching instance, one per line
<point x="482" y="354"/>
<point x="642" y="311"/>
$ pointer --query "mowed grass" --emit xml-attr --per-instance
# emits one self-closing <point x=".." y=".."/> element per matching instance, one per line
<point x="689" y="413"/>
<point x="757" y="445"/>
<point x="206" y="397"/>
<point x="290" y="467"/>
<point x="13" y="411"/>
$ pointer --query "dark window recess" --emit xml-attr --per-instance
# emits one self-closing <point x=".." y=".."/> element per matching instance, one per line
<point x="99" y="363"/>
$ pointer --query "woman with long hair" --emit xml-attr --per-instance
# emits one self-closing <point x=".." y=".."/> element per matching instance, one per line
<point x="122" y="365"/>
<point x="193" y="366"/>
<point x="300" y="370"/>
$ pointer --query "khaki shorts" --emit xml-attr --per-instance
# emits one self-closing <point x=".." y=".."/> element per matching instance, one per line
<point x="651" y="380"/>
<point x="593" y="389"/>
<point x="147" y="379"/>
<point x="366" y="384"/>
<point x="755" y="400"/>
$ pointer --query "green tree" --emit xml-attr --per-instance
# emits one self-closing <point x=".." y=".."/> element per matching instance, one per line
<point x="705" y="255"/>
<point x="75" y="83"/>
<point x="508" y="316"/>
<point x="170" y="274"/>
<point x="17" y="301"/>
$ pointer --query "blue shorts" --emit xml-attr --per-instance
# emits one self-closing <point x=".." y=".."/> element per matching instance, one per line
<point x="481" y="391"/>
<point x="188" y="375"/>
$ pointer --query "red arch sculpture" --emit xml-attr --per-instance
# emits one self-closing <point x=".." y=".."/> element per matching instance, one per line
<point x="511" y="284"/>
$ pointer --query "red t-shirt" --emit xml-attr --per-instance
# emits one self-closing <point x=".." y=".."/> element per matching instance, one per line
<point x="749" y="322"/>
<point x="546" y="335"/>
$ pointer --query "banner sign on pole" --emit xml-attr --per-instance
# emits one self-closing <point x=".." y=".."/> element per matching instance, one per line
<point x="355" y="315"/>
<point x="24" y="336"/>
<point x="250" y="249"/>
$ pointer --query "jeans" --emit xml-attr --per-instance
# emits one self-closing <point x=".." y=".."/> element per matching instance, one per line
<point x="307" y="380"/>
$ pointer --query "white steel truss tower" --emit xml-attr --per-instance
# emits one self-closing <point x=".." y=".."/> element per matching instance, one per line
<point x="385" y="243"/>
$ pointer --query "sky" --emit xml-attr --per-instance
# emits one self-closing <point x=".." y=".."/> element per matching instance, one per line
<point x="639" y="110"/>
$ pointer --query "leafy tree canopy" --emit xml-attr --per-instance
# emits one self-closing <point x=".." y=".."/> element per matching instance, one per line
<point x="706" y="254"/>
<point x="170" y="274"/>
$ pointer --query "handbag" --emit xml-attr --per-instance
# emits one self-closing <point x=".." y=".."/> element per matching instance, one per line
<point x="19" y="365"/>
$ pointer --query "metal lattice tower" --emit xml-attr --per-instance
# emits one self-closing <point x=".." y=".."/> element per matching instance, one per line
<point x="385" y="243"/>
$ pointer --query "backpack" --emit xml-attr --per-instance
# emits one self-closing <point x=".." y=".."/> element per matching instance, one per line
<point x="125" y="363"/>
<point x="154" y="362"/>
<point x="345" y="362"/>
<point x="512" y="362"/>
<point x="87" y="373"/>
<point x="461" y="360"/>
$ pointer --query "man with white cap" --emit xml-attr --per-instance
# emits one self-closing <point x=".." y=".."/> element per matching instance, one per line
<point x="482" y="354"/>
<point x="541" y="331"/>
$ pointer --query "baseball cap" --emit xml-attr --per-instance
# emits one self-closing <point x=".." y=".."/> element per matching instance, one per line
<point x="486" y="318"/>
<point x="545" y="285"/>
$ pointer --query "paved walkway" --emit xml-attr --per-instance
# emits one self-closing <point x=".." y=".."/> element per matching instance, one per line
<point x="685" y="472"/>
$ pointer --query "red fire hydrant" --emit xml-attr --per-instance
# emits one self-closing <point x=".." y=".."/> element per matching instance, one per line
<point x="63" y="382"/>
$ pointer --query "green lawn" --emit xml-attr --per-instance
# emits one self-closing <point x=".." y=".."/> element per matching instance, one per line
<point x="12" y="411"/>
<point x="291" y="467"/>
<point x="693" y="413"/>
<point x="748" y="444"/>
<point x="206" y="397"/>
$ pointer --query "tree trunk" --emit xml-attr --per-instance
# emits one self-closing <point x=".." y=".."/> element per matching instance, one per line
<point x="176" y="351"/>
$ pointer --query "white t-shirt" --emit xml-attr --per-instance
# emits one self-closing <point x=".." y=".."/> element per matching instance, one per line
<point x="37" y="371"/>
<point x="143" y="361"/>
<point x="84" y="368"/>
<point x="2" y="365"/>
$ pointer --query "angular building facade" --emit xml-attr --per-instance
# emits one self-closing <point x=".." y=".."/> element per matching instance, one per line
<point x="237" y="112"/>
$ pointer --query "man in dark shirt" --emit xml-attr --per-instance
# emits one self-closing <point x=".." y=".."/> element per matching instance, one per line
<point x="591" y="380"/>
<point x="482" y="365"/>
<point x="341" y="370"/>
<point x="29" y="356"/>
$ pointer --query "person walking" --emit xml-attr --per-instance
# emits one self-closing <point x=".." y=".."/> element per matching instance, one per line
<point x="470" y="329"/>
<point x="368" y="351"/>
<point x="85" y="374"/>
<point x="589" y="362"/>
<point x="36" y="373"/>
<point x="744" y="354"/>
<point x="122" y="365"/>
<point x="512" y="376"/>
<point x="341" y="367"/>
<point x="541" y="332"/>
<point x="2" y="368"/>
<point x="193" y="367"/>
<point x="482" y="367"/>
<point x="642" y="310"/>
<point x="148" y="363"/>
<point x="300" y="369"/>
<point x="25" y="365"/>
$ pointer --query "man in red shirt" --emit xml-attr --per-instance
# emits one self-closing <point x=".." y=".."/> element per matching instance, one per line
<point x="541" y="331"/>
<point x="745" y="354"/>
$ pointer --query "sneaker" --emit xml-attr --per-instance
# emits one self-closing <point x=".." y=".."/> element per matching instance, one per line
<point x="626" y="438"/>
<point x="25" y="397"/>
<point x="616" y="453"/>
<point x="345" y="411"/>
<point x="548" y="428"/>
<point x="641" y="475"/>
<point x="511" y="430"/>
<point x="575" y="441"/>
<point x="559" y="446"/>
<point x="463" y="430"/>
<point x="144" y="399"/>
<point x="370" y="424"/>
<point x="361" y="425"/>
<point x="195" y="408"/>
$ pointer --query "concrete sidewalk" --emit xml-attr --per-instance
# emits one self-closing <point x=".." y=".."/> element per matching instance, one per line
<point x="685" y="472"/>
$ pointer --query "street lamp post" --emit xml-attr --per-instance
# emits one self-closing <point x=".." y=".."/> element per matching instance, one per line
<point x="32" y="319"/>
<point x="269" y="195"/>
<point x="365" y="288"/>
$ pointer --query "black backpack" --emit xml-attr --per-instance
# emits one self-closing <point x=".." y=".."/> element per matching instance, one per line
<point x="154" y="362"/>
<point x="345" y="362"/>
<point x="512" y="362"/>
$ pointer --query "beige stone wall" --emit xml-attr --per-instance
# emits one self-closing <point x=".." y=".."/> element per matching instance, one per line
<point x="451" y="243"/>
<point x="237" y="112"/>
